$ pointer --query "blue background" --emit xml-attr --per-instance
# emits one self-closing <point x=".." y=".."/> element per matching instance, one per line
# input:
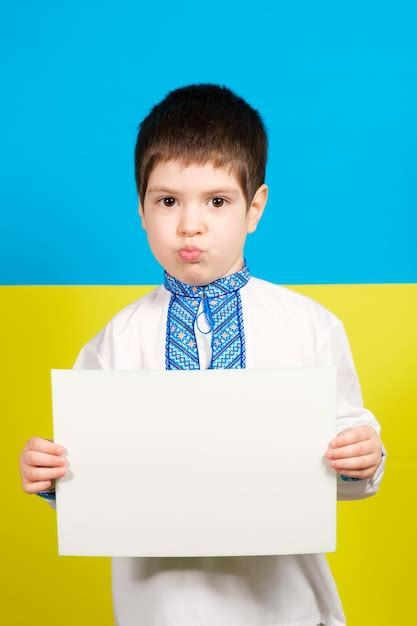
<point x="336" y="84"/>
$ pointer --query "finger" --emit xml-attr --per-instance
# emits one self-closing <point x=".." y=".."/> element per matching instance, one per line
<point x="354" y="449"/>
<point x="41" y="459"/>
<point x="44" y="445"/>
<point x="352" y="435"/>
<point x="36" y="474"/>
<point x="42" y="485"/>
<point x="353" y="463"/>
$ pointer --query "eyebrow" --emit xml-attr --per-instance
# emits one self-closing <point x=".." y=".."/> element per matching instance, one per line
<point x="203" y="193"/>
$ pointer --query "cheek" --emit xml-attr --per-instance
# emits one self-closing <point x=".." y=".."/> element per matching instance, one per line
<point x="160" y="239"/>
<point x="159" y="230"/>
<point x="232" y="231"/>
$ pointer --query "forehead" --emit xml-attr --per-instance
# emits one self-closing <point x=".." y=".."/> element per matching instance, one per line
<point x="171" y="175"/>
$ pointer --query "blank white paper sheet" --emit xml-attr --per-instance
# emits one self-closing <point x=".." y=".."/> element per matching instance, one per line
<point x="195" y="463"/>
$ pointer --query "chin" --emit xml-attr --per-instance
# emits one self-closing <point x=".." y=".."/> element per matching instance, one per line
<point x="194" y="274"/>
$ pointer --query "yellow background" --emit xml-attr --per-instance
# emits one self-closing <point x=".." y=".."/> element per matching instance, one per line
<point x="375" y="562"/>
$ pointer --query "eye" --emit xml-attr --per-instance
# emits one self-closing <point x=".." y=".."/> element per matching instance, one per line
<point x="216" y="199"/>
<point x="168" y="204"/>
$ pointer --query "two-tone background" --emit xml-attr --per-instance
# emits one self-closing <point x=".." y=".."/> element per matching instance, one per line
<point x="336" y="84"/>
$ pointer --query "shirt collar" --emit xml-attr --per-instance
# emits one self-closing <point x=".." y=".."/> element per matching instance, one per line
<point x="219" y="287"/>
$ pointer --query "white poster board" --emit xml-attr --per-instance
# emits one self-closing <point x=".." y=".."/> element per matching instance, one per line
<point x="195" y="463"/>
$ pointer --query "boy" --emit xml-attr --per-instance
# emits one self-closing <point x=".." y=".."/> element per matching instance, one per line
<point x="200" y="163"/>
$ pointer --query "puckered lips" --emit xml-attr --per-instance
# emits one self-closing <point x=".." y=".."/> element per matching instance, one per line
<point x="191" y="254"/>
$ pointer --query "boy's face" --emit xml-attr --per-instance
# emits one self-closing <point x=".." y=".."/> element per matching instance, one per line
<point x="196" y="220"/>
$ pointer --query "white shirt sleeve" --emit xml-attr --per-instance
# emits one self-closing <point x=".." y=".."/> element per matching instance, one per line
<point x="49" y="496"/>
<point x="351" y="413"/>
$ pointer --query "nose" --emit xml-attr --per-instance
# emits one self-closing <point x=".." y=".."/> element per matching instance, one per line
<point x="191" y="221"/>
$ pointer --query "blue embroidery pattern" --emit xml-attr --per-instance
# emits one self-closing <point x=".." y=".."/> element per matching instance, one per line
<point x="223" y="310"/>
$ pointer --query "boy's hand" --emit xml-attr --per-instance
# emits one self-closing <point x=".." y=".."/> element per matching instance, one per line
<point x="355" y="452"/>
<point x="40" y="463"/>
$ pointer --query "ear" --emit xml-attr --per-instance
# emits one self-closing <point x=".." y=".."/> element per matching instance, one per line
<point x="142" y="215"/>
<point x="257" y="208"/>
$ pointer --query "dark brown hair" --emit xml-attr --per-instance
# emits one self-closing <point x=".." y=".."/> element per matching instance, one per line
<point x="202" y="123"/>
